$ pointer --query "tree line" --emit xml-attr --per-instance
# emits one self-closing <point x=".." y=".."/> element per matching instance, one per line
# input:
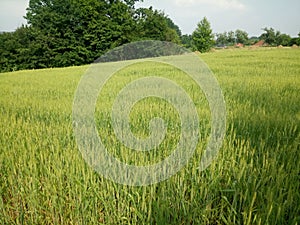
<point x="61" y="33"/>
<point x="270" y="37"/>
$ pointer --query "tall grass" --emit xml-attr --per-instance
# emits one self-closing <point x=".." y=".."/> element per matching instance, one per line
<point x="255" y="179"/>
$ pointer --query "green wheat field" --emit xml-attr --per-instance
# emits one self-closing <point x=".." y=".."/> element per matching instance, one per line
<point x="254" y="180"/>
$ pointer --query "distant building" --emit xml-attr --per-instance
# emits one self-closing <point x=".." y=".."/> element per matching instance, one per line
<point x="260" y="43"/>
<point x="239" y="45"/>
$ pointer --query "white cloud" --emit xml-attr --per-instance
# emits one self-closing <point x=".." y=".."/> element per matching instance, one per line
<point x="223" y="4"/>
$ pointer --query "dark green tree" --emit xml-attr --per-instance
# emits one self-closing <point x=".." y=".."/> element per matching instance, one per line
<point x="173" y="26"/>
<point x="76" y="32"/>
<point x="274" y="38"/>
<point x="221" y="39"/>
<point x="7" y="51"/>
<point x="131" y="3"/>
<point x="231" y="38"/>
<point x="63" y="33"/>
<point x="15" y="49"/>
<point x="298" y="42"/>
<point x="269" y="36"/>
<point x="155" y="25"/>
<point x="283" y="39"/>
<point x="241" y="36"/>
<point x="203" y="38"/>
<point x="187" y="41"/>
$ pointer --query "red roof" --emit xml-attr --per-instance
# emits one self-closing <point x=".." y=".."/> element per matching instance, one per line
<point x="239" y="45"/>
<point x="260" y="43"/>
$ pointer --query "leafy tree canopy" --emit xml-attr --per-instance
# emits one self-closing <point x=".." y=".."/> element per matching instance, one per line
<point x="74" y="32"/>
<point x="275" y="38"/>
<point x="203" y="38"/>
<point x="241" y="36"/>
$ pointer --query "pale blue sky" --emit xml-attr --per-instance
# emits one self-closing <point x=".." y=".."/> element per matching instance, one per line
<point x="224" y="15"/>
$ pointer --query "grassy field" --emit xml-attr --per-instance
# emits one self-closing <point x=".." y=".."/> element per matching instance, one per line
<point x="255" y="179"/>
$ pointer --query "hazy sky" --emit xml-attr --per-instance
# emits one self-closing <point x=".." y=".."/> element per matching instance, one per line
<point x="224" y="15"/>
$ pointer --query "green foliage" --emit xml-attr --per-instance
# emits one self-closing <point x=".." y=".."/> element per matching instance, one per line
<point x="241" y="36"/>
<point x="269" y="36"/>
<point x="274" y="38"/>
<point x="283" y="39"/>
<point x="187" y="41"/>
<point x="298" y="42"/>
<point x="221" y="39"/>
<point x="77" y="32"/>
<point x="173" y="26"/>
<point x="203" y="38"/>
<point x="295" y="40"/>
<point x="254" y="180"/>
<point x="154" y="25"/>
<point x="132" y="2"/>
<point x="253" y="40"/>
<point x="17" y="50"/>
<point x="231" y="38"/>
<point x="63" y="33"/>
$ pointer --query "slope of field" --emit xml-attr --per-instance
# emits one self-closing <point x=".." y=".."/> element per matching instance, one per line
<point x="255" y="179"/>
